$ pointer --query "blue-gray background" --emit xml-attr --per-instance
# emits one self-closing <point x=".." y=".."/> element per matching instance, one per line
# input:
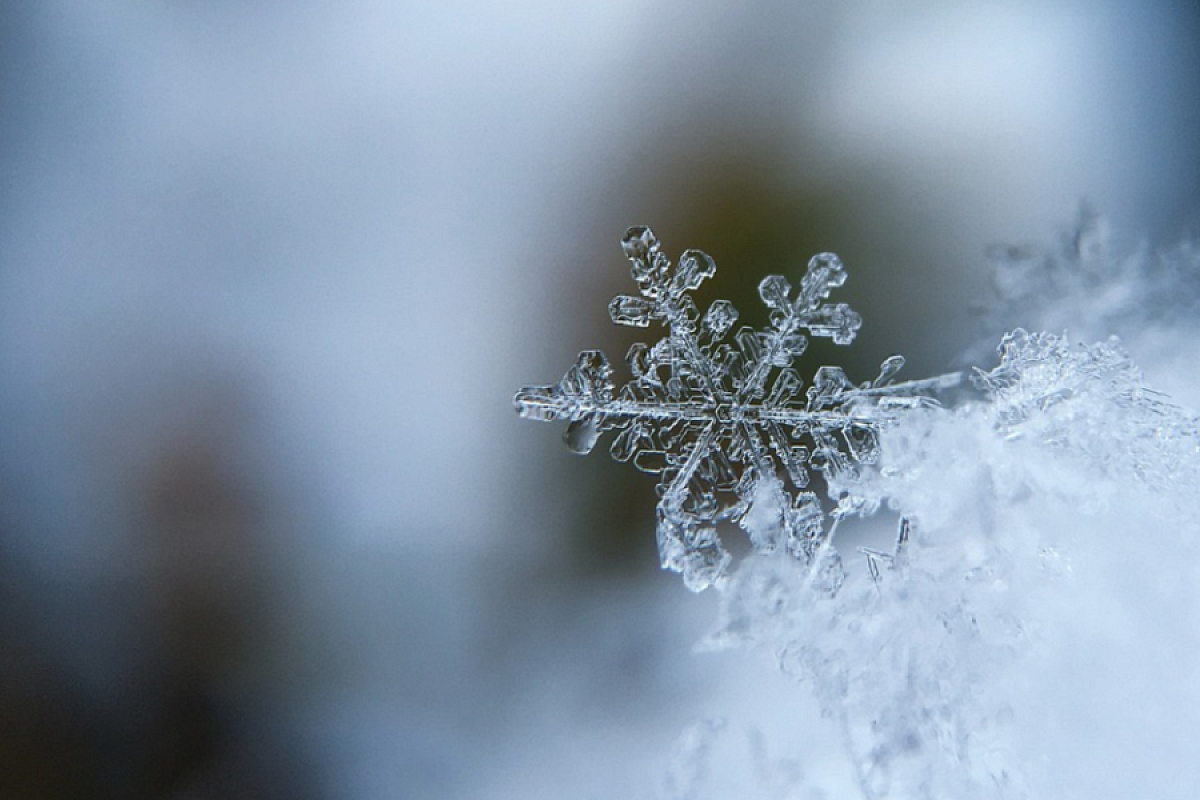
<point x="270" y="273"/>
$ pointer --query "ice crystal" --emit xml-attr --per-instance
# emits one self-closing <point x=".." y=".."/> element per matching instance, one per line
<point x="1091" y="401"/>
<point x="723" y="421"/>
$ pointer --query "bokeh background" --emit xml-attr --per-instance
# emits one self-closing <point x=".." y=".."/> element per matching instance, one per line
<point x="270" y="273"/>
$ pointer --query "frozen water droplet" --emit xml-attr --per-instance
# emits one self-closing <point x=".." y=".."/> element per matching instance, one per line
<point x="581" y="435"/>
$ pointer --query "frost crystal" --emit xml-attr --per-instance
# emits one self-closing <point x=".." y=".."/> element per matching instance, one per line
<point x="1090" y="401"/>
<point x="724" y="423"/>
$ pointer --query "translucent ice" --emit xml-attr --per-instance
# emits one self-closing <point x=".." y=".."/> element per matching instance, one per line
<point x="726" y="425"/>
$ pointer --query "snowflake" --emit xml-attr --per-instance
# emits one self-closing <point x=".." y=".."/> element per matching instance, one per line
<point x="724" y="424"/>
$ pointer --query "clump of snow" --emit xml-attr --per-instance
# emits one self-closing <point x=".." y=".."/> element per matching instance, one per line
<point x="1036" y="614"/>
<point x="1039" y="614"/>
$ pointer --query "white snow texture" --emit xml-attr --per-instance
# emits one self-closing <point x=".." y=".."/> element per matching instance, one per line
<point x="1034" y="630"/>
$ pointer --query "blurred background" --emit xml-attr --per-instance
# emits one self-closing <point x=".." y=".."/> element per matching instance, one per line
<point x="271" y="272"/>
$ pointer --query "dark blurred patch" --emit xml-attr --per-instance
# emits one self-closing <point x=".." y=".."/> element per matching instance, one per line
<point x="180" y="724"/>
<point x="50" y="743"/>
